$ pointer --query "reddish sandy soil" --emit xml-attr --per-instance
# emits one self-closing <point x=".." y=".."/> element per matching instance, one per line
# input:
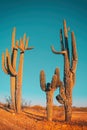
<point x="34" y="118"/>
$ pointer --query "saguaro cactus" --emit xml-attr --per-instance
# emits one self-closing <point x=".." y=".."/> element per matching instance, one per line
<point x="49" y="88"/>
<point x="9" y="67"/>
<point x="65" y="96"/>
<point x="23" y="47"/>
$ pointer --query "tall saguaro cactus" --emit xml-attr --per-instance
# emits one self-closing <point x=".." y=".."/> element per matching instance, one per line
<point x="23" y="47"/>
<point x="9" y="67"/>
<point x="49" y="88"/>
<point x="65" y="96"/>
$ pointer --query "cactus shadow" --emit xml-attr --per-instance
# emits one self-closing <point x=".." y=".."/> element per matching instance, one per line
<point x="6" y="109"/>
<point x="34" y="116"/>
<point x="72" y="123"/>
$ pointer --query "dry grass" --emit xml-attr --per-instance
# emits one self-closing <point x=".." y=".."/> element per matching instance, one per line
<point x="34" y="118"/>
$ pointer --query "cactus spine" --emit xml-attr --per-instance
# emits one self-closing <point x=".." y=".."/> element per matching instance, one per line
<point x="65" y="96"/>
<point x="9" y="67"/>
<point x="49" y="88"/>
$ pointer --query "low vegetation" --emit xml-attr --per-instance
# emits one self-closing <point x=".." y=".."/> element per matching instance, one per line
<point x="34" y="118"/>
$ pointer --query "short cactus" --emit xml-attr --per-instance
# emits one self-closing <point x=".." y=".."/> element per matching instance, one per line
<point x="49" y="88"/>
<point x="65" y="96"/>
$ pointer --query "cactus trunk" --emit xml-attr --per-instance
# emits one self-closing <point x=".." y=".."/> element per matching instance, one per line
<point x="19" y="83"/>
<point x="13" y="79"/>
<point x="68" y="104"/>
<point x="68" y="111"/>
<point x="68" y="89"/>
<point x="49" y="97"/>
<point x="12" y="89"/>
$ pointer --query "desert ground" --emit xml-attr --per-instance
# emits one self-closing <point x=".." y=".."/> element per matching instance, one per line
<point x="34" y="118"/>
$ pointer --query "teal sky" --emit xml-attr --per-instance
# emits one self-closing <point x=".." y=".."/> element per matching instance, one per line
<point x="42" y="20"/>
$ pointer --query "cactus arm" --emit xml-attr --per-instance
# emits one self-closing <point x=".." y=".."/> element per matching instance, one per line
<point x="14" y="56"/>
<point x="26" y="44"/>
<point x="57" y="72"/>
<point x="21" y="46"/>
<point x="66" y="62"/>
<point x="66" y="39"/>
<point x="12" y="71"/>
<point x="61" y="97"/>
<point x="56" y="52"/>
<point x="54" y="82"/>
<point x="62" y="91"/>
<point x="29" y="48"/>
<point x="42" y="80"/>
<point x="21" y="49"/>
<point x="3" y="64"/>
<point x="74" y="54"/>
<point x="16" y="46"/>
<point x="13" y="38"/>
<point x="65" y="29"/>
<point x="61" y="40"/>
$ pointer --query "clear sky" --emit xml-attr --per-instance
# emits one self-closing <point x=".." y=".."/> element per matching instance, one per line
<point x="42" y="20"/>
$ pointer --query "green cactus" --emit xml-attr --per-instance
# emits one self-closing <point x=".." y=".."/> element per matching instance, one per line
<point x="9" y="67"/>
<point x="49" y="88"/>
<point x="65" y="96"/>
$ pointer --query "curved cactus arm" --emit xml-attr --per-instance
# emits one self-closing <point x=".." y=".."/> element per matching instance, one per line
<point x="3" y="64"/>
<point x="57" y="52"/>
<point x="12" y="71"/>
<point x="74" y="54"/>
<point x="13" y="38"/>
<point x="42" y="80"/>
<point x="14" y="56"/>
<point x="54" y="82"/>
<point x="66" y="61"/>
<point x="62" y="91"/>
<point x="61" y="97"/>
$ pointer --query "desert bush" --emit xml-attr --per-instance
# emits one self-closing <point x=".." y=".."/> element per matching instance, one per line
<point x="8" y="102"/>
